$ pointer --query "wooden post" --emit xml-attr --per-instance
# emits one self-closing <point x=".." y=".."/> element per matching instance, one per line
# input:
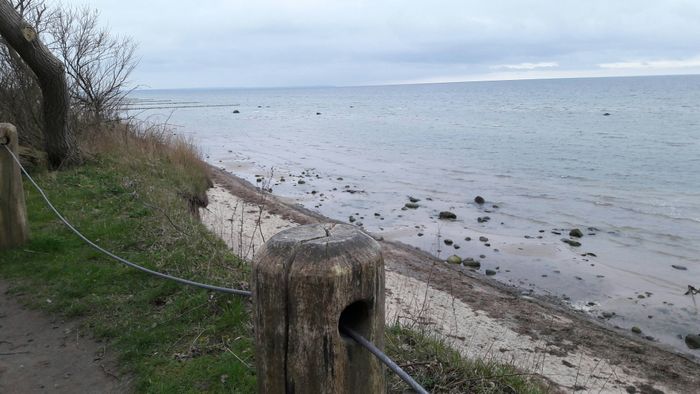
<point x="305" y="280"/>
<point x="13" y="213"/>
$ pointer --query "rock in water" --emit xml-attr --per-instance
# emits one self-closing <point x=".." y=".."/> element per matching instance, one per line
<point x="471" y="263"/>
<point x="454" y="259"/>
<point x="576" y="233"/>
<point x="692" y="341"/>
<point x="483" y="239"/>
<point x="411" y="205"/>
<point x="571" y="242"/>
<point x="490" y="272"/>
<point x="679" y="267"/>
<point x="447" y="215"/>
<point x="235" y="111"/>
<point x="636" y="330"/>
<point x="413" y="199"/>
<point x="479" y="200"/>
<point x="448" y="242"/>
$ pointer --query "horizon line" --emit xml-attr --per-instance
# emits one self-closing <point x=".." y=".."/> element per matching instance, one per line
<point x="414" y="83"/>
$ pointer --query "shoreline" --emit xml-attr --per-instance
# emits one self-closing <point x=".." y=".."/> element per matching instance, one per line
<point x="535" y="331"/>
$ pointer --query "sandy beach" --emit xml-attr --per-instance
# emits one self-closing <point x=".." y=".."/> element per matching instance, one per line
<point x="478" y="316"/>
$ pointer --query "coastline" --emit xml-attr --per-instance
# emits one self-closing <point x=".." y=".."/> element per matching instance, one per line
<point x="479" y="316"/>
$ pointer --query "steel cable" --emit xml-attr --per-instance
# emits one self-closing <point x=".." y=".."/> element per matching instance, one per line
<point x="115" y="257"/>
<point x="383" y="358"/>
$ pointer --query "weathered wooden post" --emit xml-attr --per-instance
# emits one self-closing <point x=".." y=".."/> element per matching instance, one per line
<point x="13" y="212"/>
<point x="305" y="281"/>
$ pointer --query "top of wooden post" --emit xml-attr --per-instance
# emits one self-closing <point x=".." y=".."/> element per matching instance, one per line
<point x="305" y="281"/>
<point x="8" y="133"/>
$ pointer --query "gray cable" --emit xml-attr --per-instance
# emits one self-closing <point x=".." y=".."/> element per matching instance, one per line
<point x="383" y="358"/>
<point x="115" y="257"/>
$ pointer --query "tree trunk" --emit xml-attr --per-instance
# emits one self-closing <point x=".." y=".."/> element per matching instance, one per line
<point x="60" y="143"/>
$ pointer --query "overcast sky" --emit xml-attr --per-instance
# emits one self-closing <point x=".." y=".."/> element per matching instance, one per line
<point x="270" y="43"/>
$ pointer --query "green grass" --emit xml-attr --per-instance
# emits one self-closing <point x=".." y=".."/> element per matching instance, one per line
<point x="173" y="338"/>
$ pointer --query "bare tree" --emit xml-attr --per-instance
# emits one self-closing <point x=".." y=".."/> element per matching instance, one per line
<point x="98" y="63"/>
<point x="19" y="89"/>
<point x="22" y="37"/>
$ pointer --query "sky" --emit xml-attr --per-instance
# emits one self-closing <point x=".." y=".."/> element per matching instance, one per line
<point x="288" y="43"/>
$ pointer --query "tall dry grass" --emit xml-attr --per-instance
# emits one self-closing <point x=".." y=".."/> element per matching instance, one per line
<point x="156" y="148"/>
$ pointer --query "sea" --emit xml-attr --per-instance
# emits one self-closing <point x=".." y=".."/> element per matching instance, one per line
<point x="616" y="158"/>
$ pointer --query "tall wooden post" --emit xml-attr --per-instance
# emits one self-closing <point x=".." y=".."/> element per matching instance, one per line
<point x="305" y="281"/>
<point x="13" y="213"/>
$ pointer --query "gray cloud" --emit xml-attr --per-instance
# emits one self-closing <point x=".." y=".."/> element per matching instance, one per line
<point x="322" y="42"/>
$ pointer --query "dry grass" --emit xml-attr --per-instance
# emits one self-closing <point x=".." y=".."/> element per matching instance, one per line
<point x="153" y="147"/>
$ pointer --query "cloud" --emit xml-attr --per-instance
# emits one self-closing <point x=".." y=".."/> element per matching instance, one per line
<point x="693" y="62"/>
<point x="526" y="66"/>
<point x="354" y="42"/>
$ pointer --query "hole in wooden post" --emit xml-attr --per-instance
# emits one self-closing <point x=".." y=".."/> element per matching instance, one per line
<point x="356" y="317"/>
<point x="4" y="140"/>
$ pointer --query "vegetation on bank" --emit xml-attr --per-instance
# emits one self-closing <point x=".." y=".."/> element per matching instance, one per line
<point x="135" y="195"/>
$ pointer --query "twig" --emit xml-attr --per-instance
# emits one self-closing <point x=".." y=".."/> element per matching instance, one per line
<point x="238" y="358"/>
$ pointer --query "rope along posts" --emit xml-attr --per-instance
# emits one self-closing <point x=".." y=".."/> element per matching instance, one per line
<point x="365" y="315"/>
<point x="115" y="257"/>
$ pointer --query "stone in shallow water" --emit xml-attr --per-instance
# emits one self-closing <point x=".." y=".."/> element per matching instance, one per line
<point x="490" y="272"/>
<point x="576" y="233"/>
<point x="411" y="205"/>
<point x="447" y="215"/>
<point x="479" y="200"/>
<point x="571" y="242"/>
<point x="692" y="341"/>
<point x="679" y="267"/>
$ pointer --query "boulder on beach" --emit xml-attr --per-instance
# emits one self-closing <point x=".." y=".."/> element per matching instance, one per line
<point x="483" y="239"/>
<point x="490" y="272"/>
<point x="301" y="182"/>
<point x="692" y="341"/>
<point x="454" y="259"/>
<point x="445" y="215"/>
<point x="448" y="242"/>
<point x="479" y="200"/>
<point x="411" y="205"/>
<point x="576" y="233"/>
<point x="413" y="199"/>
<point x="235" y="111"/>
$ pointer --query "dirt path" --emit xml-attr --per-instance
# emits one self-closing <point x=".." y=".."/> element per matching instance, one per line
<point x="479" y="316"/>
<point x="42" y="354"/>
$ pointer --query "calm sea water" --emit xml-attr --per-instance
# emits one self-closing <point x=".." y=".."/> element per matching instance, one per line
<point x="543" y="152"/>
